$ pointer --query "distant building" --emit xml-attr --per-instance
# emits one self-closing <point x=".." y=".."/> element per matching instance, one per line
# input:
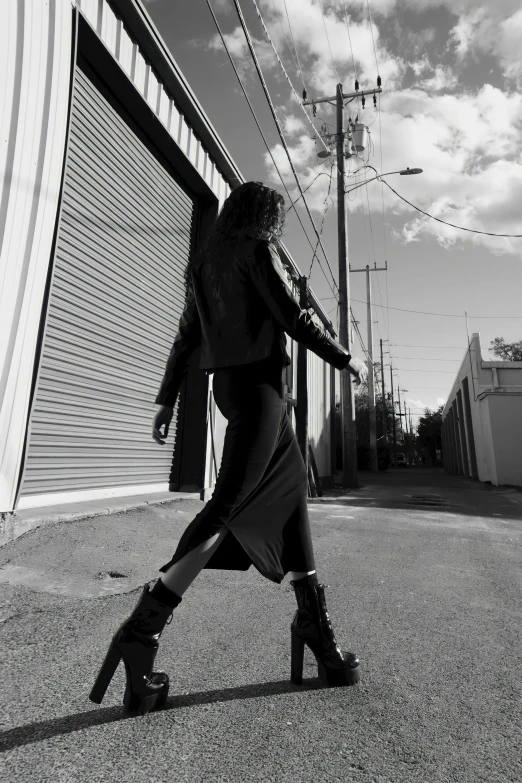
<point x="482" y="420"/>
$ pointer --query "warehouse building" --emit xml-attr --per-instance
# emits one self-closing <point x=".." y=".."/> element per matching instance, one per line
<point x="112" y="174"/>
<point x="482" y="420"/>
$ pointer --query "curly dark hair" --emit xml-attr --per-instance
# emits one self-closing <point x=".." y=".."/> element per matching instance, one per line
<point x="252" y="209"/>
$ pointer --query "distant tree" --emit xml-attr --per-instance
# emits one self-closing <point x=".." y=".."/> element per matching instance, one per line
<point x="362" y="410"/>
<point x="508" y="352"/>
<point x="429" y="431"/>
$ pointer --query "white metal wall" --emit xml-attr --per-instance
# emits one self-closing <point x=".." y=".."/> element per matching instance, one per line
<point x="35" y="62"/>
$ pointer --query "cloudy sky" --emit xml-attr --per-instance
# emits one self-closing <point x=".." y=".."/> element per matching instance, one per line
<point x="451" y="79"/>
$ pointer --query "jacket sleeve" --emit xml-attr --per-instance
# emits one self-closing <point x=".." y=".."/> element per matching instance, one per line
<point x="267" y="274"/>
<point x="187" y="338"/>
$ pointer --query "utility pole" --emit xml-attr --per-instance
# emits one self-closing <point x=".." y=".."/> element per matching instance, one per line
<point x="393" y="415"/>
<point x="400" y="413"/>
<point x="347" y="396"/>
<point x="301" y="410"/>
<point x="349" y="480"/>
<point x="411" y="437"/>
<point x="405" y="430"/>
<point x="374" y="462"/>
<point x="384" y="416"/>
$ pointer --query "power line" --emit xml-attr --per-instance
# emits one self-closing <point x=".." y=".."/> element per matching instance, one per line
<point x="278" y="125"/>
<point x="472" y="230"/>
<point x="410" y="369"/>
<point x="349" y="39"/>
<point x="284" y="70"/>
<point x="328" y="39"/>
<point x="263" y="137"/>
<point x="295" y="47"/>
<point x="297" y="64"/>
<point x="445" y="315"/>
<point x="373" y="39"/>
<point x="401" y="345"/>
<point x="425" y="359"/>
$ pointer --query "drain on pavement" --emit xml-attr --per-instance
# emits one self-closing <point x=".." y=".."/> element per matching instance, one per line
<point x="111" y="575"/>
<point x="427" y="500"/>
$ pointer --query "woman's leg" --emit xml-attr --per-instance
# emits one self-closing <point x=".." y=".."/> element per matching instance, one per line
<point x="181" y="575"/>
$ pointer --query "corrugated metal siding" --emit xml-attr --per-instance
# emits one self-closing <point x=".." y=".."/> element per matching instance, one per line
<point x="35" y="64"/>
<point x="116" y="299"/>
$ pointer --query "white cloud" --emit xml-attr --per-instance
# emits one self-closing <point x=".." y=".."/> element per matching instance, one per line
<point x="468" y="144"/>
<point x="240" y="52"/>
<point x="293" y="124"/>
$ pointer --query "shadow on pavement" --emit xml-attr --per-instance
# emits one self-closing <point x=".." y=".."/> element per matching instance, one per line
<point x="56" y="727"/>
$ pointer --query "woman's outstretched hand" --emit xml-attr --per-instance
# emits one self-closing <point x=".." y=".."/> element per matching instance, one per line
<point x="358" y="368"/>
<point x="162" y="417"/>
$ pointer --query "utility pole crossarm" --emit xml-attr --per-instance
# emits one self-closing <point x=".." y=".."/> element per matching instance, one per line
<point x="374" y="269"/>
<point x="344" y="96"/>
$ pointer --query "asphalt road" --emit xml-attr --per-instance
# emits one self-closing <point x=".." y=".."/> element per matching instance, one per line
<point x="427" y="590"/>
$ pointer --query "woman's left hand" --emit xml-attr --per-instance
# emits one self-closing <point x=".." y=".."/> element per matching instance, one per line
<point x="162" y="417"/>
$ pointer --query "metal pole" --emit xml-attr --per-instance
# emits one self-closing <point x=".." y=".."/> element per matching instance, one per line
<point x="374" y="462"/>
<point x="393" y="415"/>
<point x="301" y="410"/>
<point x="411" y="438"/>
<point x="400" y="412"/>
<point x="347" y="397"/>
<point x="384" y="416"/>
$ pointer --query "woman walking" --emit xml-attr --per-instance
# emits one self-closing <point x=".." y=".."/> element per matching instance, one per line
<point x="238" y="308"/>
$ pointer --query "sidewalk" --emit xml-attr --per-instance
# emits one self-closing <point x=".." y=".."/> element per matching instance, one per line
<point x="14" y="525"/>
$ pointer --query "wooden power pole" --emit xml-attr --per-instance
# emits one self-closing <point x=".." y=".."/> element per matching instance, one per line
<point x="349" y="480"/>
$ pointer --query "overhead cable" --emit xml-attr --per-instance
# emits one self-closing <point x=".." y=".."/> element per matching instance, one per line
<point x="295" y="48"/>
<point x="299" y="100"/>
<point x="427" y="359"/>
<point x="279" y="129"/>
<point x="402" y="345"/>
<point x="472" y="230"/>
<point x="408" y="369"/>
<point x="349" y="39"/>
<point x="444" y="315"/>
<point x="263" y="135"/>
<point x="373" y="39"/>
<point x="328" y="39"/>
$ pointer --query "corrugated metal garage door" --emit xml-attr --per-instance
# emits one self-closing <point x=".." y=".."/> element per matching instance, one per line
<point x="116" y="298"/>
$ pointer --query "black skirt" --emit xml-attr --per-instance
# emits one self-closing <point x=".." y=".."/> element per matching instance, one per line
<point x="261" y="490"/>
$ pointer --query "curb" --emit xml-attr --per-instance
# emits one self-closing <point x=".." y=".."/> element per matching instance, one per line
<point x="15" y="525"/>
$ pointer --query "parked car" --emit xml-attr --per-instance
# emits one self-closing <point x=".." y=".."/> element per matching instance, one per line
<point x="401" y="460"/>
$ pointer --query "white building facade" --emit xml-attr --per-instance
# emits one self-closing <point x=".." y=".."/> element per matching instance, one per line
<point x="482" y="420"/>
<point x="111" y="173"/>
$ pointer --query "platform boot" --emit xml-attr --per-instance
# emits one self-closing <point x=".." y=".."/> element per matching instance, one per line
<point x="136" y="642"/>
<point x="312" y="626"/>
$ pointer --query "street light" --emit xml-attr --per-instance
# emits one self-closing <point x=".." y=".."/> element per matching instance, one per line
<point x="402" y="172"/>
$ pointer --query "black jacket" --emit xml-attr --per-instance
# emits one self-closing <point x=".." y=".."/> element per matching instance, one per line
<point x="237" y="311"/>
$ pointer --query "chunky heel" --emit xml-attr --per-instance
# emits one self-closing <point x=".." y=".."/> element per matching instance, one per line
<point x="105" y="675"/>
<point x="296" y="671"/>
